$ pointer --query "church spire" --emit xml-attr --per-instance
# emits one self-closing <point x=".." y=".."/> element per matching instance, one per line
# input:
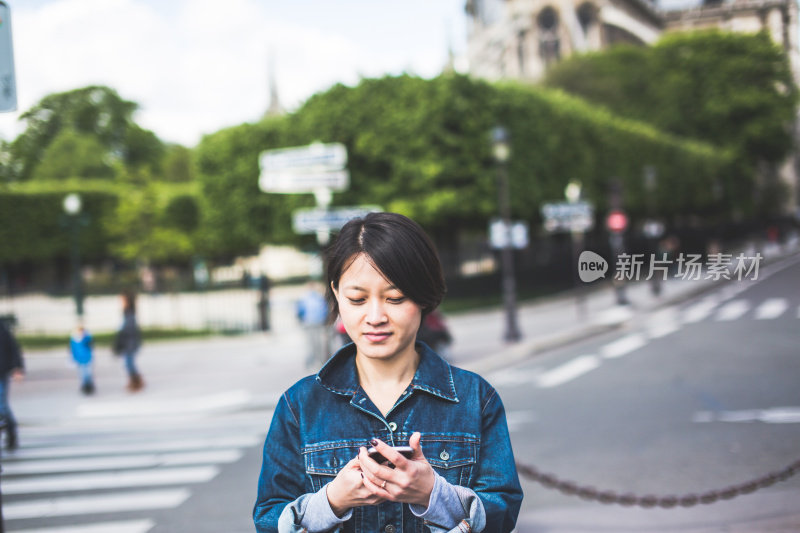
<point x="275" y="108"/>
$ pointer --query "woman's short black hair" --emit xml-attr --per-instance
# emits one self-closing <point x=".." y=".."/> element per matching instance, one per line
<point x="399" y="248"/>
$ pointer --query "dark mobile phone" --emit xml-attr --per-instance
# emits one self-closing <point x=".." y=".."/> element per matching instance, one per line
<point x="376" y="456"/>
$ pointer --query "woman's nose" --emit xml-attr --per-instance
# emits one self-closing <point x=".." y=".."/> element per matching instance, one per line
<point x="375" y="313"/>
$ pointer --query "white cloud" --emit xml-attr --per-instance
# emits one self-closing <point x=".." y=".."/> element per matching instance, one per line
<point x="195" y="66"/>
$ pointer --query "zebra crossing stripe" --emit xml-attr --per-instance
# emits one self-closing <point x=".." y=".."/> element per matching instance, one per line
<point x="129" y="526"/>
<point x="116" y="463"/>
<point x="110" y="480"/>
<point x="699" y="311"/>
<point x="123" y="448"/>
<point x="80" y="505"/>
<point x="568" y="371"/>
<point x="732" y="310"/>
<point x="772" y="308"/>
<point x="623" y="346"/>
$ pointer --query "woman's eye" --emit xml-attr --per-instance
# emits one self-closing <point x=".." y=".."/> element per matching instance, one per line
<point x="399" y="300"/>
<point x="356" y="301"/>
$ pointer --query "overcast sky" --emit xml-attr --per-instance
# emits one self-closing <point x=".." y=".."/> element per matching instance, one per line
<point x="196" y="66"/>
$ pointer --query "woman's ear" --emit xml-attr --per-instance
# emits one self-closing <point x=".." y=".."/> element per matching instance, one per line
<point x="335" y="291"/>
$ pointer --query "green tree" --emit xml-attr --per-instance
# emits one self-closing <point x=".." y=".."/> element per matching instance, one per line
<point x="73" y="154"/>
<point x="422" y="148"/>
<point x="97" y="112"/>
<point x="732" y="90"/>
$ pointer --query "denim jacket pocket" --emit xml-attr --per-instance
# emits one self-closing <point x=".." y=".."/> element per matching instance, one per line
<point x="453" y="456"/>
<point x="325" y="459"/>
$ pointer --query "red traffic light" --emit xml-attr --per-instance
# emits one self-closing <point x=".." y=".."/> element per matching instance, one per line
<point x="617" y="221"/>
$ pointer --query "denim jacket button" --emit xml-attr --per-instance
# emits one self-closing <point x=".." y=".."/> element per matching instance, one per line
<point x="444" y="456"/>
<point x="389" y="529"/>
<point x="392" y="426"/>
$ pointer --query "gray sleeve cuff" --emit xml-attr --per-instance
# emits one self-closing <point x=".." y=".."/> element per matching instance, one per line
<point x="450" y="505"/>
<point x="319" y="516"/>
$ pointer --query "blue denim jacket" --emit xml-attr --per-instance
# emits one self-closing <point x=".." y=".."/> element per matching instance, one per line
<point x="321" y="421"/>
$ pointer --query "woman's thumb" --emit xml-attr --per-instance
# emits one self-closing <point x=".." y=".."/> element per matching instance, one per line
<point x="414" y="442"/>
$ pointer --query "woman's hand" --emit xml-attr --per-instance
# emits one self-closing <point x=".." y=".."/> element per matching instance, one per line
<point x="411" y="481"/>
<point x="347" y="490"/>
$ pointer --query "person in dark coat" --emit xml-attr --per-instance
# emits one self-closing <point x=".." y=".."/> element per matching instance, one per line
<point x="129" y="340"/>
<point x="11" y="366"/>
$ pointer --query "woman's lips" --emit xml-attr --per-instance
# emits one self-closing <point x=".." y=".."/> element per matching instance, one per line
<point x="376" y="336"/>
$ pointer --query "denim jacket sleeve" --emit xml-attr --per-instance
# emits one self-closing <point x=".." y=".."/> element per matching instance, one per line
<point x="282" y="470"/>
<point x="496" y="482"/>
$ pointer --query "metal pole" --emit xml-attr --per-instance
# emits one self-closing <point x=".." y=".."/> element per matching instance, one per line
<point x="77" y="285"/>
<point x="512" y="333"/>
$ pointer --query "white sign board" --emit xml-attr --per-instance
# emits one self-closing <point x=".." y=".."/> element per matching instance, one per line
<point x="293" y="182"/>
<point x="313" y="220"/>
<point x="304" y="169"/>
<point x="577" y="216"/>
<point x="8" y="83"/>
<point x="514" y="235"/>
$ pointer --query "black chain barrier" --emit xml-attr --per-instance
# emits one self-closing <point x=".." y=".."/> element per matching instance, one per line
<point x="629" y="500"/>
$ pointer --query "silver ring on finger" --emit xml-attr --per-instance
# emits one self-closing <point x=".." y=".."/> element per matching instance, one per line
<point x="383" y="485"/>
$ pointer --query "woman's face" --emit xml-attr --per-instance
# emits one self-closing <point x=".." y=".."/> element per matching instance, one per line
<point x="379" y="318"/>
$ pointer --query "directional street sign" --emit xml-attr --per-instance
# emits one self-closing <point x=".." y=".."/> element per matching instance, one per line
<point x="293" y="182"/>
<point x="568" y="216"/>
<point x="313" y="220"/>
<point x="514" y="235"/>
<point x="314" y="157"/>
<point x="304" y="169"/>
<point x="8" y="84"/>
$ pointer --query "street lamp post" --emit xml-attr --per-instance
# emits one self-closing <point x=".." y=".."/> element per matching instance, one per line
<point x="502" y="151"/>
<point x="72" y="206"/>
<point x="573" y="194"/>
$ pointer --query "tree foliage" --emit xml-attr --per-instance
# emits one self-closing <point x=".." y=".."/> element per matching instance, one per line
<point x="95" y="112"/>
<point x="729" y="89"/>
<point x="422" y="148"/>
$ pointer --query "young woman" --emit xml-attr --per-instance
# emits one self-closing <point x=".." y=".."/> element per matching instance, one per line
<point x="385" y="390"/>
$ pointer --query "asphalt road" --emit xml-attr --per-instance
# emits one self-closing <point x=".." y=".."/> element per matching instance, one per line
<point x="687" y="400"/>
<point x="682" y="399"/>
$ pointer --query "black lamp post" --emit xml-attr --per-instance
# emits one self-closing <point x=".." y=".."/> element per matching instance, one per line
<point x="502" y="151"/>
<point x="72" y="207"/>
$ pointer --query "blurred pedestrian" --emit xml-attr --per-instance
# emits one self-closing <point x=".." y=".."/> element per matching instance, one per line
<point x="443" y="429"/>
<point x="81" y="346"/>
<point x="11" y="367"/>
<point x="128" y="341"/>
<point x="434" y="332"/>
<point x="312" y="313"/>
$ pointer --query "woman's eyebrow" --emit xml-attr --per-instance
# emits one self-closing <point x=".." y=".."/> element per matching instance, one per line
<point x="362" y="289"/>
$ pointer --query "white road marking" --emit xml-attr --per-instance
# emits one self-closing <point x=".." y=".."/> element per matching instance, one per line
<point x="117" y="463"/>
<point x="662" y="323"/>
<point x="623" y="346"/>
<point x="772" y="308"/>
<point x="699" y="311"/>
<point x="79" y="505"/>
<point x="515" y="419"/>
<point x="110" y="480"/>
<point x="732" y="310"/>
<point x="129" y="526"/>
<point x="568" y="371"/>
<point x="161" y="407"/>
<point x="122" y="448"/>
<point x="775" y="415"/>
<point x="510" y="377"/>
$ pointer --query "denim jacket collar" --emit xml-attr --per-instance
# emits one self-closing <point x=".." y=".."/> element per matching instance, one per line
<point x="433" y="374"/>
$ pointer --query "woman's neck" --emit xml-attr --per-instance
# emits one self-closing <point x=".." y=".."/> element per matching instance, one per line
<point x="384" y="380"/>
